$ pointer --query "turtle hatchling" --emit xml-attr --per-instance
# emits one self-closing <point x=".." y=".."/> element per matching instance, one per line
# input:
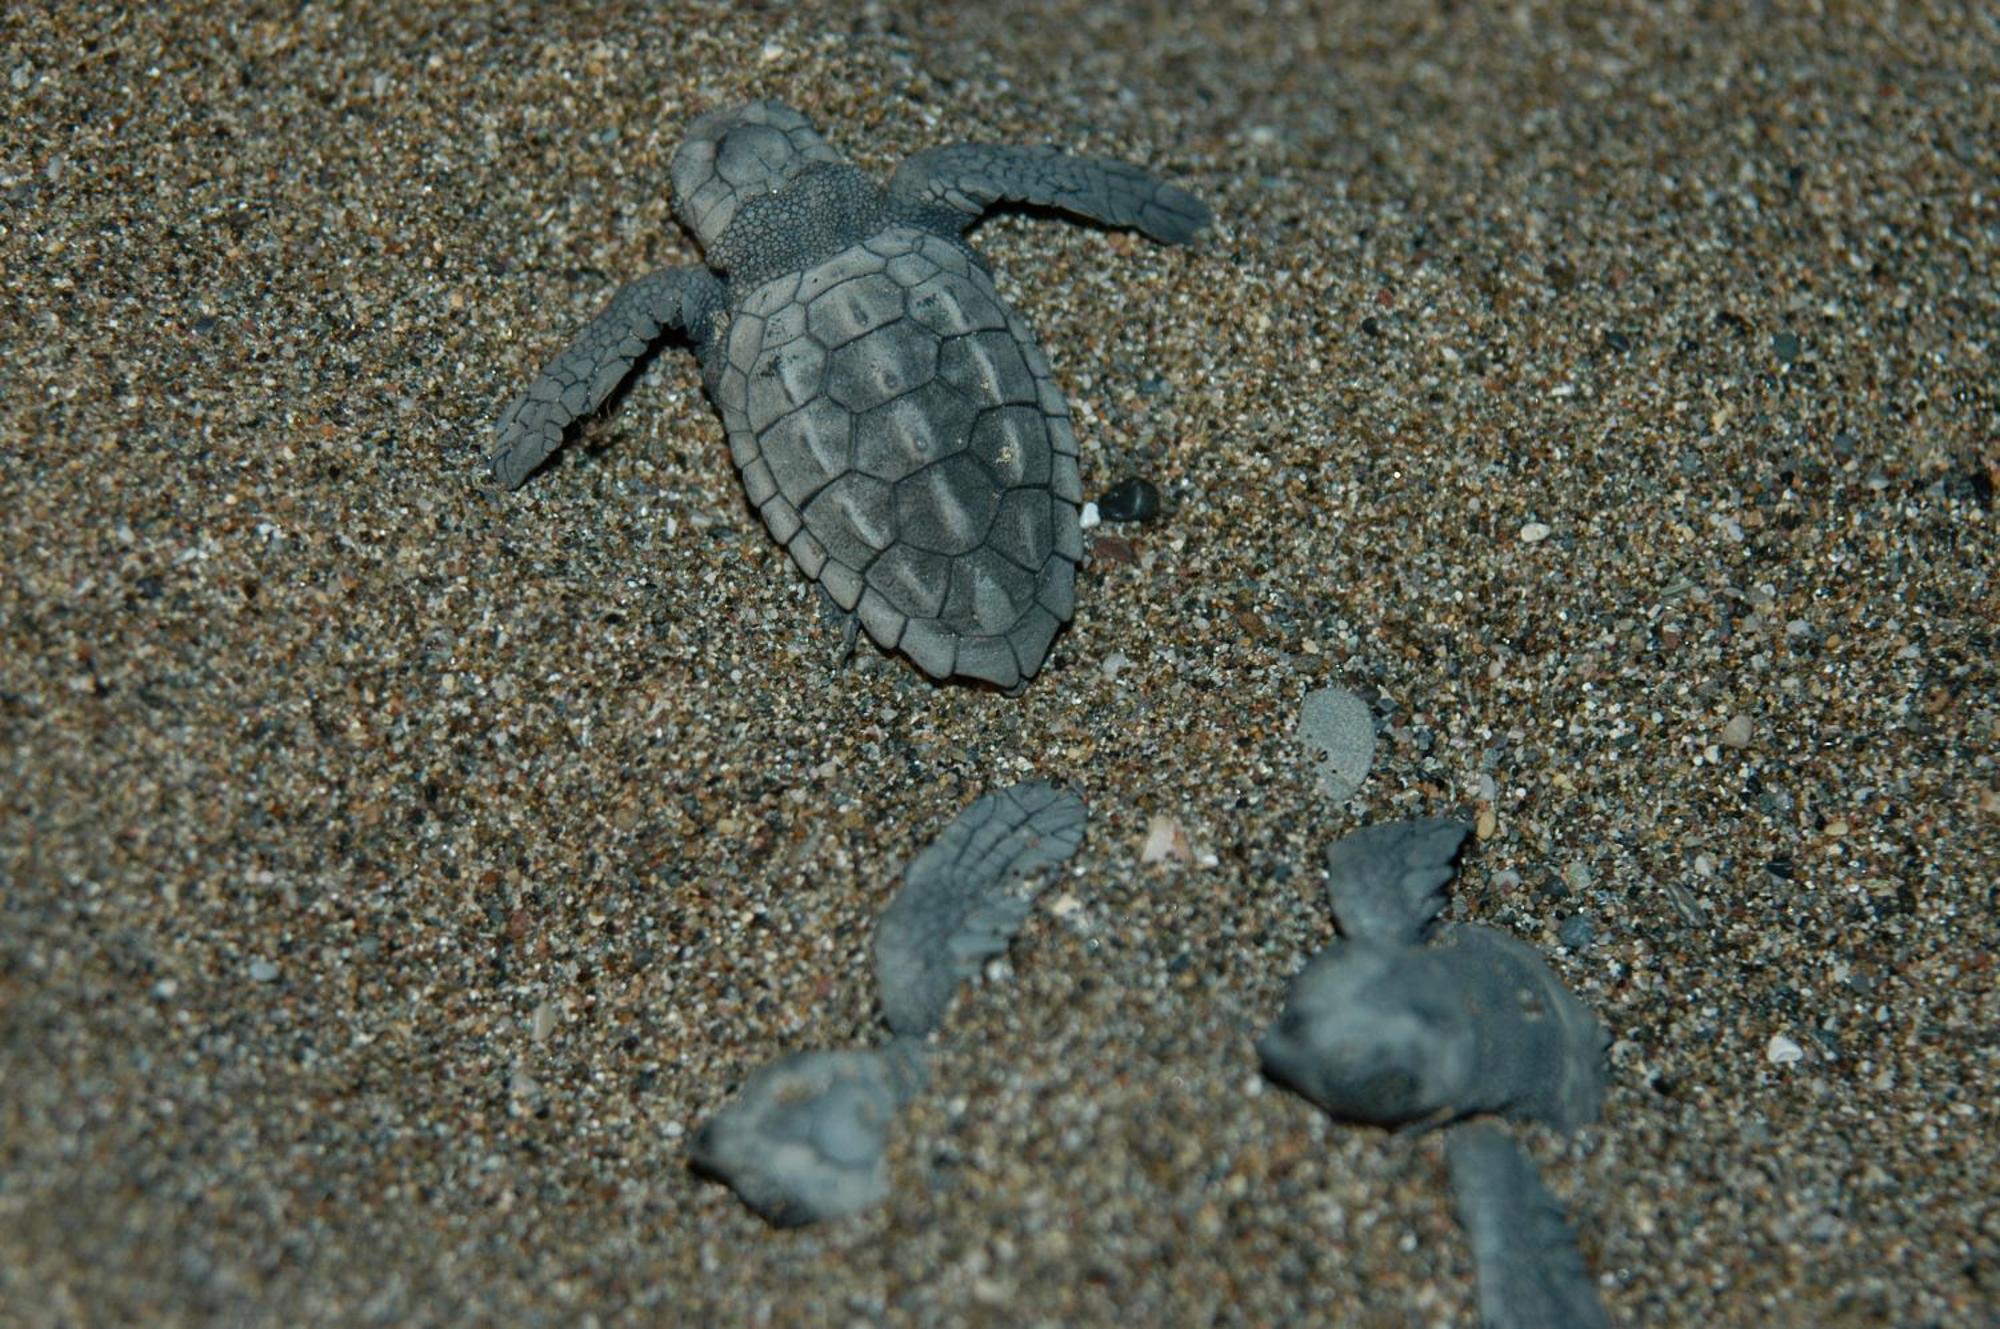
<point x="894" y="422"/>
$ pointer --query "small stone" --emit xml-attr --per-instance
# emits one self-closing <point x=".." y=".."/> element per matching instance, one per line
<point x="543" y="1023"/>
<point x="1534" y="532"/>
<point x="1115" y="664"/>
<point x="263" y="971"/>
<point x="1782" y="1051"/>
<point x="1089" y="517"/>
<point x="1130" y="500"/>
<point x="1112" y="550"/>
<point x="1165" y="840"/>
<point x="1737" y="732"/>
<point x="1577" y="932"/>
<point x="1486" y="823"/>
<point x="1785" y="345"/>
<point x="1338" y="730"/>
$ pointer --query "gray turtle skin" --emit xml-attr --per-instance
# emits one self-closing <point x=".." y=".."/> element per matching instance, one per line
<point x="807" y="1139"/>
<point x="1381" y="1027"/>
<point x="1531" y="1275"/>
<point x="1395" y="1035"/>
<point x="960" y="905"/>
<point x="894" y="422"/>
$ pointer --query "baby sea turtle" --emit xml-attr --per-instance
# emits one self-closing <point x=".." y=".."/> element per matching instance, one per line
<point x="1382" y="1027"/>
<point x="807" y="1139"/>
<point x="894" y="421"/>
<point x="1408" y="1021"/>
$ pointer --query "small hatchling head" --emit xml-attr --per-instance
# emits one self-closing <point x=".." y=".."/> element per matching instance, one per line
<point x="737" y="153"/>
<point x="1368" y="1040"/>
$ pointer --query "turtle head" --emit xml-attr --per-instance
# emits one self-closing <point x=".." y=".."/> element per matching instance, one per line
<point x="1368" y="1040"/>
<point x="733" y="155"/>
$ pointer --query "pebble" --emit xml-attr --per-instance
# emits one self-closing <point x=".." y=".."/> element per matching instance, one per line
<point x="1577" y="932"/>
<point x="263" y="971"/>
<point x="1782" y="1051"/>
<point x="1165" y="841"/>
<point x="1338" y="730"/>
<point x="1738" y="732"/>
<point x="1090" y="516"/>
<point x="1534" y="532"/>
<point x="1130" y="500"/>
<point x="1112" y="551"/>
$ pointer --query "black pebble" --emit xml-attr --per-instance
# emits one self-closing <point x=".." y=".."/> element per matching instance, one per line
<point x="1130" y="500"/>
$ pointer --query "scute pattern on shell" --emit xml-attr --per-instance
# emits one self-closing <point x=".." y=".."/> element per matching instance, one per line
<point x="898" y="429"/>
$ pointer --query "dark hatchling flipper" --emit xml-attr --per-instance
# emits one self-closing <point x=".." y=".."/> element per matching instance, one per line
<point x="1386" y="882"/>
<point x="807" y="1138"/>
<point x="1531" y="1275"/>
<point x="969" y="178"/>
<point x="960" y="903"/>
<point x="590" y="368"/>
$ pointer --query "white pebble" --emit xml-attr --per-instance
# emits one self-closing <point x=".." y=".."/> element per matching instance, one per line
<point x="1165" y="840"/>
<point x="1782" y="1051"/>
<point x="1534" y="532"/>
<point x="263" y="971"/>
<point x="1090" y="516"/>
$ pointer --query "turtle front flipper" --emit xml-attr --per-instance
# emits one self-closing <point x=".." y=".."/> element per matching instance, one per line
<point x="968" y="178"/>
<point x="590" y="368"/>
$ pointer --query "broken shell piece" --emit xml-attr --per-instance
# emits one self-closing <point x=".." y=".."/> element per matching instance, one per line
<point x="805" y="1140"/>
<point x="1386" y="882"/>
<point x="1531" y="1275"/>
<point x="1165" y="842"/>
<point x="961" y="904"/>
<point x="1338" y="730"/>
<point x="1392" y="1034"/>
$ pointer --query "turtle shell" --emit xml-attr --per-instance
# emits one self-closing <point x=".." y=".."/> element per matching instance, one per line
<point x="898" y="429"/>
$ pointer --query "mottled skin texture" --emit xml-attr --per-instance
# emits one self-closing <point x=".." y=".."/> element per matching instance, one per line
<point x="894" y="422"/>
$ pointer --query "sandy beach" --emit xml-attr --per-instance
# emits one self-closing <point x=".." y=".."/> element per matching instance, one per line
<point x="395" y="873"/>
